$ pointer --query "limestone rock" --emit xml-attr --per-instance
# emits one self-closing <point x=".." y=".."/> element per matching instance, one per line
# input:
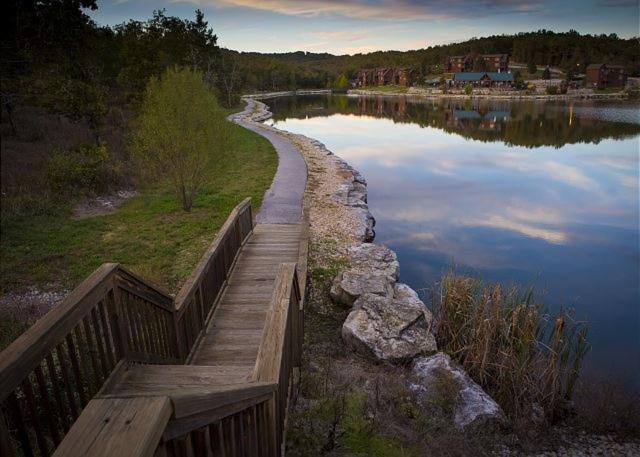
<point x="375" y="258"/>
<point x="374" y="269"/>
<point x="393" y="329"/>
<point x="365" y="232"/>
<point x="350" y="285"/>
<point x="472" y="406"/>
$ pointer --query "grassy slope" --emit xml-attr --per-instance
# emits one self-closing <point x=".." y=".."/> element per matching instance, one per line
<point x="150" y="233"/>
<point x="390" y="89"/>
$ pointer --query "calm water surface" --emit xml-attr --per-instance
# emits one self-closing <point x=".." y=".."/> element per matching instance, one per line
<point x="542" y="193"/>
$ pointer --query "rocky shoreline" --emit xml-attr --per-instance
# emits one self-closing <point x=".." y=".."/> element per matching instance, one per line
<point x="512" y="95"/>
<point x="386" y="322"/>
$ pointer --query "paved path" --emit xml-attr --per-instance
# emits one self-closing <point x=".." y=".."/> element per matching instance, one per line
<point x="282" y="202"/>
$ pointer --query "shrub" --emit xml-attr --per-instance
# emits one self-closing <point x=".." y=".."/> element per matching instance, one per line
<point x="468" y="89"/>
<point x="83" y="168"/>
<point x="507" y="343"/>
<point x="552" y="90"/>
<point x="181" y="129"/>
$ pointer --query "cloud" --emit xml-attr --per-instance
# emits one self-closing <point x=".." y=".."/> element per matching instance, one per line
<point x="383" y="9"/>
<point x="341" y="35"/>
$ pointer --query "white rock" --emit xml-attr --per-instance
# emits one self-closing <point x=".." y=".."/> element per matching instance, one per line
<point x="374" y="269"/>
<point x="390" y="329"/>
<point x="473" y="406"/>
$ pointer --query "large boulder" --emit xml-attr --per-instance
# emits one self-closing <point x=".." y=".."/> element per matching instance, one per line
<point x="374" y="269"/>
<point x="375" y="258"/>
<point x="394" y="329"/>
<point x="437" y="376"/>
<point x="350" y="285"/>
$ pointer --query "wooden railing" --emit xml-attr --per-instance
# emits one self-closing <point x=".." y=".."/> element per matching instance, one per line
<point x="50" y="373"/>
<point x="250" y="425"/>
<point x="195" y="301"/>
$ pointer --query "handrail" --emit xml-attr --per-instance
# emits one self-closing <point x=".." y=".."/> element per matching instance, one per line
<point x="196" y="299"/>
<point x="137" y="425"/>
<point x="254" y="424"/>
<point x="51" y="373"/>
<point x="59" y="363"/>
<point x="114" y="315"/>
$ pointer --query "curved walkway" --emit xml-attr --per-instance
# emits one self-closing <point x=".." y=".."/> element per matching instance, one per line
<point x="282" y="203"/>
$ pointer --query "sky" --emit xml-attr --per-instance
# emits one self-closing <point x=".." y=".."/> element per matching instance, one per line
<point x="361" y="26"/>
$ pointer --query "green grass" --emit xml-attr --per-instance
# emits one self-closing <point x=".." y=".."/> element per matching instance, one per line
<point x="360" y="439"/>
<point x="150" y="234"/>
<point x="389" y="89"/>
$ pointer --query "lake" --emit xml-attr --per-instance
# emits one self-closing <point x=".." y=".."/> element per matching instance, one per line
<point x="529" y="192"/>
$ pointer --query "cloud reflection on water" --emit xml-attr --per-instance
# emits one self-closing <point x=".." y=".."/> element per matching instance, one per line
<point x="563" y="216"/>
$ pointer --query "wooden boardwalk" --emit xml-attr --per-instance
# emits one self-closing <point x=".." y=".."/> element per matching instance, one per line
<point x="233" y="336"/>
<point x="122" y="368"/>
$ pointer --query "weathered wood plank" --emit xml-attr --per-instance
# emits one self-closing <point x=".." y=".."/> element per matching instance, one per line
<point x="118" y="427"/>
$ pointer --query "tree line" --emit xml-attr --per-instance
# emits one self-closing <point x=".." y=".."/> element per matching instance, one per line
<point x="55" y="56"/>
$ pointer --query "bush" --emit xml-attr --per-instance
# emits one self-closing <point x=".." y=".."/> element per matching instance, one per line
<point x="468" y="89"/>
<point x="181" y="129"/>
<point x="552" y="90"/>
<point x="509" y="345"/>
<point x="80" y="169"/>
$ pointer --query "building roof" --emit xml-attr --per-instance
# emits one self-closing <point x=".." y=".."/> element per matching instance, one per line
<point x="494" y="55"/>
<point x="502" y="76"/>
<point x="478" y="75"/>
<point x="594" y="66"/>
<point x="466" y="114"/>
<point x="468" y="76"/>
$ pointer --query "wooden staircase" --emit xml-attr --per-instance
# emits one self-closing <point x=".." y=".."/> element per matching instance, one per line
<point x="121" y="368"/>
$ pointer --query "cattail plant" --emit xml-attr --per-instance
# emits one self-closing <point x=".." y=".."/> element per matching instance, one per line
<point x="508" y="343"/>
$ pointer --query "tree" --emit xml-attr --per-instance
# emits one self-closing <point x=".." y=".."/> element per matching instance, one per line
<point x="228" y="75"/>
<point x="518" y="80"/>
<point x="84" y="100"/>
<point x="532" y="68"/>
<point x="340" y="83"/>
<point x="179" y="129"/>
<point x="546" y="74"/>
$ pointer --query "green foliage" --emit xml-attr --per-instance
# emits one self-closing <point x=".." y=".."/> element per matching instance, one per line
<point x="81" y="169"/>
<point x="340" y="422"/>
<point x="468" y="89"/>
<point x="518" y="80"/>
<point x="340" y="83"/>
<point x="41" y="243"/>
<point x="546" y="74"/>
<point x="180" y="129"/>
<point x="358" y="436"/>
<point x="532" y="68"/>
<point x="85" y="101"/>
<point x="551" y="90"/>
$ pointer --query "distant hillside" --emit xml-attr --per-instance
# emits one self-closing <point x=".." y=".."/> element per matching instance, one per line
<point x="570" y="51"/>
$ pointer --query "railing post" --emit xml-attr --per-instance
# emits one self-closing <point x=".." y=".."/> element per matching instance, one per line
<point x="272" y="425"/>
<point x="119" y="326"/>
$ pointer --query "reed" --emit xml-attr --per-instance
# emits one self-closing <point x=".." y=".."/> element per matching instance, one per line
<point x="509" y="344"/>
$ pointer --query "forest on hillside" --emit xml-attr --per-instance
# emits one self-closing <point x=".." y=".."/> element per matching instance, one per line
<point x="54" y="56"/>
<point x="569" y="51"/>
